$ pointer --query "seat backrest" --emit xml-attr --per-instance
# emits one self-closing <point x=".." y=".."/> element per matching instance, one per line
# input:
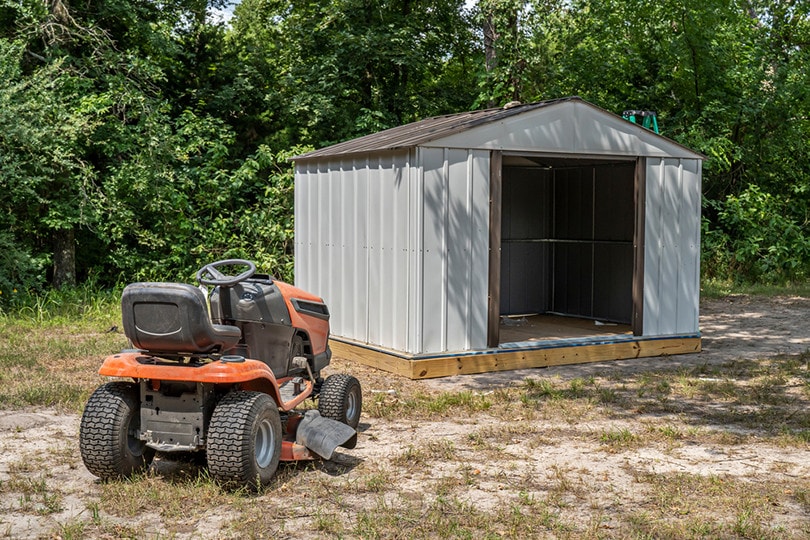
<point x="172" y="318"/>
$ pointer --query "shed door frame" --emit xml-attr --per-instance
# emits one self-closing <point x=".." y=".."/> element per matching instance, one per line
<point x="495" y="238"/>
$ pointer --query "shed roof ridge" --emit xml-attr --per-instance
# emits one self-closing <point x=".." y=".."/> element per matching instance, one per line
<point x="426" y="130"/>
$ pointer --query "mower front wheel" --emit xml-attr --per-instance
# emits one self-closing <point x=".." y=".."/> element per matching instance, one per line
<point x="244" y="439"/>
<point x="108" y="435"/>
<point x="341" y="399"/>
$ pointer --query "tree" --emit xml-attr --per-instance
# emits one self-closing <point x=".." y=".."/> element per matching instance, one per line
<point x="351" y="67"/>
<point x="45" y="121"/>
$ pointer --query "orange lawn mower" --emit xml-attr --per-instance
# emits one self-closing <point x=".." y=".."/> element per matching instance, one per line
<point x="225" y="385"/>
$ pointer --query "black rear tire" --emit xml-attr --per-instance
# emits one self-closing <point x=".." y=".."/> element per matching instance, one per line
<point x="108" y="433"/>
<point x="244" y="439"/>
<point x="341" y="399"/>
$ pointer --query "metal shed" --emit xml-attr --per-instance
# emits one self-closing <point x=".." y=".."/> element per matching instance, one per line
<point x="545" y="233"/>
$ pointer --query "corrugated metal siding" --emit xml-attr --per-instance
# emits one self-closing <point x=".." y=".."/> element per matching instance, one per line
<point x="351" y="241"/>
<point x="398" y="252"/>
<point x="672" y="246"/>
<point x="455" y="228"/>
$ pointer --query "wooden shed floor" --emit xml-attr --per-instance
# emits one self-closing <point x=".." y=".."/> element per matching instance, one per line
<point x="546" y="327"/>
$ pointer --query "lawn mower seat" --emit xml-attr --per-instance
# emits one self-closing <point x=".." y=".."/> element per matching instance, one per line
<point x="173" y="318"/>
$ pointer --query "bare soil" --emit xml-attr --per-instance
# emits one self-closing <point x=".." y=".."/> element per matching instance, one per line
<point x="501" y="463"/>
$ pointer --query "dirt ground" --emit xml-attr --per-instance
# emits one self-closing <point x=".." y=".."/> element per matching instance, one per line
<point x="41" y="442"/>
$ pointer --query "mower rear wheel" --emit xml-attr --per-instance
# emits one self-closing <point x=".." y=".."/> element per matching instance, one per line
<point x="341" y="399"/>
<point x="244" y="439"/>
<point x="108" y="435"/>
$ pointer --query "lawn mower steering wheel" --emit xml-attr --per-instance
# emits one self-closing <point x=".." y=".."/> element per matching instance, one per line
<point x="218" y="278"/>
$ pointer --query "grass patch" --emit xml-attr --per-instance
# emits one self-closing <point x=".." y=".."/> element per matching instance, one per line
<point x="721" y="288"/>
<point x="619" y="439"/>
<point x="709" y="506"/>
<point x="34" y="494"/>
<point x="50" y="350"/>
<point x="423" y="405"/>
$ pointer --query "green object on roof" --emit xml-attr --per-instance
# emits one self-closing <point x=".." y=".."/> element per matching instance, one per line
<point x="648" y="118"/>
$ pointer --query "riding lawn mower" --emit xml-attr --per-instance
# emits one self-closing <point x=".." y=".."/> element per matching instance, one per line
<point x="221" y="373"/>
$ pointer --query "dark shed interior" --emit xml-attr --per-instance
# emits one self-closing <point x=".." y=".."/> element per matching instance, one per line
<point x="567" y="238"/>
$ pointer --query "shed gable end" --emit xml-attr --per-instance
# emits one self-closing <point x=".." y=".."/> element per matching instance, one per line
<point x="566" y="127"/>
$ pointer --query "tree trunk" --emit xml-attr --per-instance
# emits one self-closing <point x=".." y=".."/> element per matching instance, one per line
<point x="490" y="54"/>
<point x="490" y="36"/>
<point x="64" y="258"/>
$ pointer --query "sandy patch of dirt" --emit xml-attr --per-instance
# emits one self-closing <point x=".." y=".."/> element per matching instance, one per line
<point x="40" y="448"/>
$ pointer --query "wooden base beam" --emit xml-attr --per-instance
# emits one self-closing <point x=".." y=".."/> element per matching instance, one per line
<point x="415" y="367"/>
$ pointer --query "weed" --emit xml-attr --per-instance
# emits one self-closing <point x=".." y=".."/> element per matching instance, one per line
<point x="95" y="513"/>
<point x="72" y="530"/>
<point x="541" y="388"/>
<point x="670" y="432"/>
<point x="618" y="438"/>
<point x="328" y="522"/>
<point x="802" y="496"/>
<point x="434" y="450"/>
<point x="377" y="482"/>
<point x="34" y="494"/>
<point x="608" y="396"/>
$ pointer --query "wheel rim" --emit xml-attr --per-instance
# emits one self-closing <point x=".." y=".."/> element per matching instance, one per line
<point x="264" y="444"/>
<point x="351" y="406"/>
<point x="134" y="444"/>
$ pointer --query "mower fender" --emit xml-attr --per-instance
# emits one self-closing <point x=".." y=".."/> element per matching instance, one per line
<point x="248" y="375"/>
<point x="323" y="435"/>
<point x="139" y="365"/>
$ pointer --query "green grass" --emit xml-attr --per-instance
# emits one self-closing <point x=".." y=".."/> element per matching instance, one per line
<point x="52" y="345"/>
<point x="720" y="289"/>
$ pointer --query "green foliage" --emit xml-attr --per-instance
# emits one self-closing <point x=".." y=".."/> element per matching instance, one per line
<point x="333" y="70"/>
<point x="158" y="138"/>
<point x="20" y="272"/>
<point x="760" y="237"/>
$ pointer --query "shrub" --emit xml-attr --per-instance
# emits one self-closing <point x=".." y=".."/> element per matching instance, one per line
<point x="758" y="238"/>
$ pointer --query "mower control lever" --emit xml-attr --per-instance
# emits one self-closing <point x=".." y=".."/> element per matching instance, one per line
<point x="218" y="278"/>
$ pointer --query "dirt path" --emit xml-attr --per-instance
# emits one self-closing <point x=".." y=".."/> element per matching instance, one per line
<point x="45" y="492"/>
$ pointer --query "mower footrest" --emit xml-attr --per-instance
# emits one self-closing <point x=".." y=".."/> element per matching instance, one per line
<point x="293" y="390"/>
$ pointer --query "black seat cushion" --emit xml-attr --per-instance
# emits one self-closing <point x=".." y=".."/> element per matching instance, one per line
<point x="172" y="318"/>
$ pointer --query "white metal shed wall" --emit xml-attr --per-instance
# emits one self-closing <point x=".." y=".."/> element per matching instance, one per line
<point x="409" y="245"/>
<point x="352" y="243"/>
<point x="672" y="246"/>
<point x="455" y="264"/>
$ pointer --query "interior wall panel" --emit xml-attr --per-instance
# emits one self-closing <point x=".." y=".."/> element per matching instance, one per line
<point x="613" y="282"/>
<point x="526" y="228"/>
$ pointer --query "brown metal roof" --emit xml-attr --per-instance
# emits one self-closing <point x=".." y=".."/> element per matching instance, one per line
<point x="423" y="131"/>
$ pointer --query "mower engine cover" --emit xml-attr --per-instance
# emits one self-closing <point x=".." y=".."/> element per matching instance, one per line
<point x="275" y="318"/>
<point x="256" y="299"/>
<point x="258" y="309"/>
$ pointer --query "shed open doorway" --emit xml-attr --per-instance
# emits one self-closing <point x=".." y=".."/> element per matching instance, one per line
<point x="567" y="256"/>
